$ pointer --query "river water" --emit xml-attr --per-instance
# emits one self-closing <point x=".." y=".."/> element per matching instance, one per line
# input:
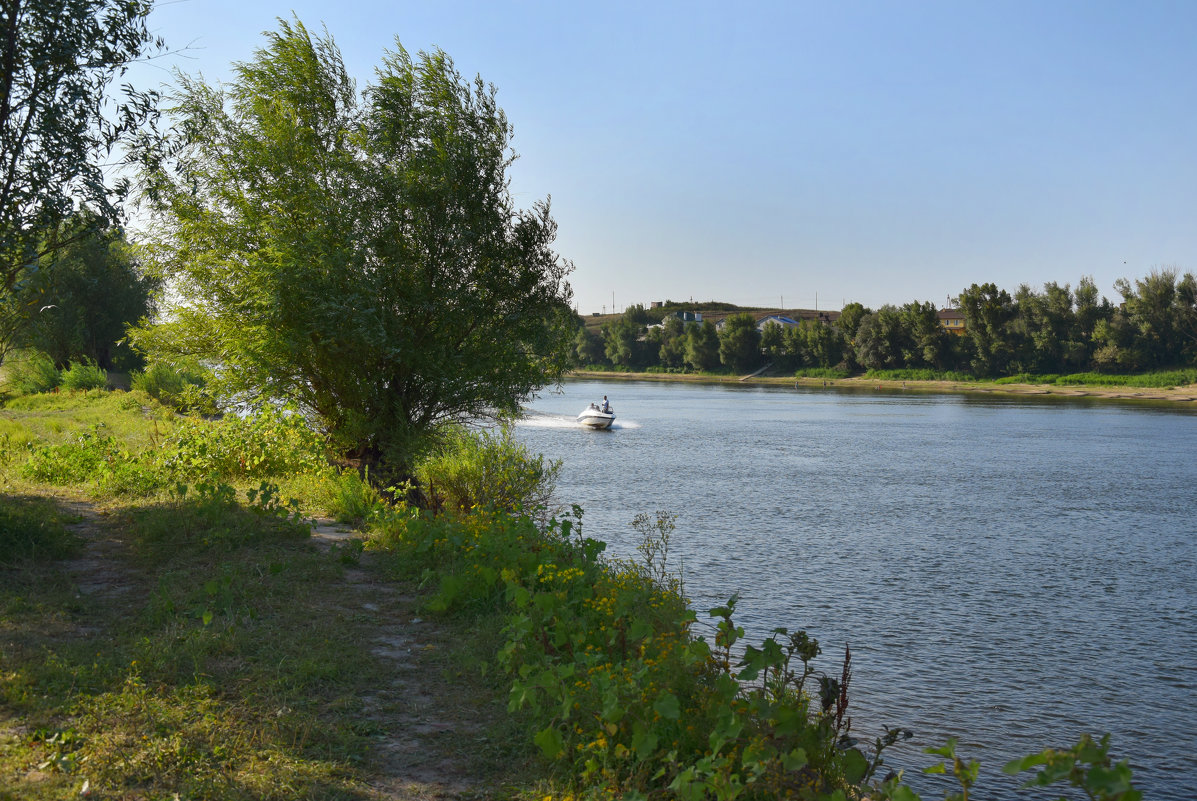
<point x="1010" y="572"/>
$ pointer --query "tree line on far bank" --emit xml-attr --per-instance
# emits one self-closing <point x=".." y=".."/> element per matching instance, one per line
<point x="1058" y="330"/>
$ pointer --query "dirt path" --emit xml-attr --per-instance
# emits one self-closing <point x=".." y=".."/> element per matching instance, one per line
<point x="414" y="756"/>
<point x="426" y="740"/>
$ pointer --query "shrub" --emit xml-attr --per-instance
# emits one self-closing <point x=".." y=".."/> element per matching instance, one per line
<point x="84" y="376"/>
<point x="178" y="386"/>
<point x="32" y="372"/>
<point x="272" y="442"/>
<point x="93" y="458"/>
<point x="487" y="470"/>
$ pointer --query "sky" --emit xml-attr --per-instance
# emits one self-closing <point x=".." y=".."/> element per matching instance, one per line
<point x="806" y="154"/>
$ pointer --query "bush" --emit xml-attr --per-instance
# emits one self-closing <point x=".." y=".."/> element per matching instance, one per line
<point x="272" y="442"/>
<point x="83" y="376"/>
<point x="32" y="372"/>
<point x="179" y="386"/>
<point x="93" y="458"/>
<point x="487" y="470"/>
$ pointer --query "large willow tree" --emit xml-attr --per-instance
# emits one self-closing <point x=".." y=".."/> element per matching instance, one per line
<point x="359" y="255"/>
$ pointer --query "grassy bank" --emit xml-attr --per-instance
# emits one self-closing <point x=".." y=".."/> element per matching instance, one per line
<point x="1149" y="387"/>
<point x="187" y="635"/>
<point x="171" y="626"/>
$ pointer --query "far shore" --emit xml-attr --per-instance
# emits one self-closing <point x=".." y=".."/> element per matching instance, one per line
<point x="1178" y="395"/>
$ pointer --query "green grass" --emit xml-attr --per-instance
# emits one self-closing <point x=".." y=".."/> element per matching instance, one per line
<point x="31" y="530"/>
<point x="214" y="652"/>
<point x="918" y="375"/>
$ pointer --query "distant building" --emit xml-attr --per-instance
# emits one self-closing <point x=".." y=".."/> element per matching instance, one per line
<point x="688" y="316"/>
<point x="952" y="321"/>
<point x="776" y="319"/>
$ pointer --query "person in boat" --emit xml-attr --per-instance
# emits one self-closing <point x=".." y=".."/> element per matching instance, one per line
<point x="606" y="407"/>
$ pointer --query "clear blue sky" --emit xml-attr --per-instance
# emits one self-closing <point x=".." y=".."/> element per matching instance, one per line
<point x="872" y="151"/>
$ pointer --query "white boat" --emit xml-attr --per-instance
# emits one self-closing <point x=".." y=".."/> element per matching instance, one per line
<point x="595" y="417"/>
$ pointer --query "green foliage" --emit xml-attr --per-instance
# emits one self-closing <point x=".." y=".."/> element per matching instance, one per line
<point x="58" y="121"/>
<point x="30" y="530"/>
<point x="89" y="291"/>
<point x="402" y="288"/>
<point x="82" y="376"/>
<point x="489" y="470"/>
<point x="821" y="372"/>
<point x="1087" y="765"/>
<point x="918" y="375"/>
<point x="1166" y="378"/>
<point x="739" y="343"/>
<point x="1027" y="378"/>
<point x="93" y="458"/>
<point x="182" y="387"/>
<point x="31" y="372"/>
<point x="350" y="498"/>
<point x="702" y="347"/>
<point x="210" y="515"/>
<point x="269" y="443"/>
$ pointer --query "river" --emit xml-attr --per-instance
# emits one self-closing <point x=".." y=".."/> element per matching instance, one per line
<point x="1011" y="572"/>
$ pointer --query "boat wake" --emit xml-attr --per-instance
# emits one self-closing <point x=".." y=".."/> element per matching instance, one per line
<point x="535" y="419"/>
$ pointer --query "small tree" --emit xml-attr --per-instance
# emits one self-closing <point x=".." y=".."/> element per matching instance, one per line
<point x="363" y="259"/>
<point x="92" y="292"/>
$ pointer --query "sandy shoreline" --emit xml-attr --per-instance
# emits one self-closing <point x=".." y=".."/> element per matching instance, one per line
<point x="1175" y="395"/>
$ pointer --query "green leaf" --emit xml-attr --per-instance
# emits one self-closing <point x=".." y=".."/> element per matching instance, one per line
<point x="795" y="760"/>
<point x="667" y="706"/>
<point x="855" y="766"/>
<point x="1024" y="763"/>
<point x="644" y="742"/>
<point x="550" y="742"/>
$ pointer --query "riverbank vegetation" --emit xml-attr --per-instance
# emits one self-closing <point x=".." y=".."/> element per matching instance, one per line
<point x="231" y="666"/>
<point x="1058" y="332"/>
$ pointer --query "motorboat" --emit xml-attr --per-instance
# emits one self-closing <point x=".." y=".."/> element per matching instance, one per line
<point x="594" y="416"/>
